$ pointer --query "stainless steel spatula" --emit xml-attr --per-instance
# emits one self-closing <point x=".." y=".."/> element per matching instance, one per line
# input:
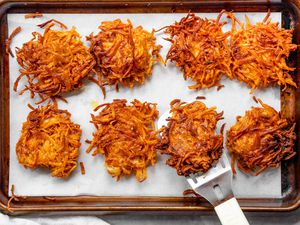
<point x="216" y="187"/>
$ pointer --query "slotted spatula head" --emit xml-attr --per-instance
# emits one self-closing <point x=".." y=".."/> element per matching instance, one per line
<point x="215" y="184"/>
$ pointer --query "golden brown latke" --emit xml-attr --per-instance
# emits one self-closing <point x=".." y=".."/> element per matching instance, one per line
<point x="126" y="136"/>
<point x="124" y="55"/>
<point x="259" y="53"/>
<point x="53" y="63"/>
<point x="260" y="139"/>
<point x="190" y="137"/>
<point x="200" y="49"/>
<point x="49" y="139"/>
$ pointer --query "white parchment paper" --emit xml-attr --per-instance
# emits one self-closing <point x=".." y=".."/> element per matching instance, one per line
<point x="166" y="84"/>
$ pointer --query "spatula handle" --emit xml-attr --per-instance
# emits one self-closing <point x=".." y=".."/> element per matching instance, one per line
<point x="230" y="213"/>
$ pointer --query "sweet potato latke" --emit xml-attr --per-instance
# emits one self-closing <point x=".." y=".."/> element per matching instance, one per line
<point x="126" y="136"/>
<point x="260" y="139"/>
<point x="259" y="53"/>
<point x="200" y="49"/>
<point x="53" y="63"/>
<point x="49" y="139"/>
<point x="124" y="55"/>
<point x="190" y="138"/>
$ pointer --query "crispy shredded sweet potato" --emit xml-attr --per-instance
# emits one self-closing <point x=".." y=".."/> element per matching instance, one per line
<point x="49" y="139"/>
<point x="33" y="15"/>
<point x="53" y="63"/>
<point x="9" y="39"/>
<point x="124" y="55"/>
<point x="126" y="136"/>
<point x="200" y="49"/>
<point x="192" y="193"/>
<point x="82" y="168"/>
<point x="260" y="139"/>
<point x="259" y="53"/>
<point x="190" y="137"/>
<point x="52" y="21"/>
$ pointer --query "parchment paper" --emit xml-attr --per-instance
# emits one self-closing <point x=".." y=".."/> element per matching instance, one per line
<point x="166" y="84"/>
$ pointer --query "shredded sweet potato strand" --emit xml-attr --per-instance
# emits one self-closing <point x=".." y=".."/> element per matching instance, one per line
<point x="200" y="49"/>
<point x="33" y="15"/>
<point x="9" y="39"/>
<point x="260" y="139"/>
<point x="190" y="138"/>
<point x="49" y="139"/>
<point x="124" y="55"/>
<point x="82" y="168"/>
<point x="192" y="193"/>
<point x="260" y="52"/>
<point x="126" y="136"/>
<point x="53" y="63"/>
<point x="50" y="22"/>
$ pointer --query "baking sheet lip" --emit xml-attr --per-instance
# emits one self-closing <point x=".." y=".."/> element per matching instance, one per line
<point x="7" y="5"/>
<point x="122" y="209"/>
<point x="65" y="208"/>
<point x="4" y="62"/>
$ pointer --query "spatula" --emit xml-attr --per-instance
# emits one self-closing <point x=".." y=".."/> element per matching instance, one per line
<point x="216" y="187"/>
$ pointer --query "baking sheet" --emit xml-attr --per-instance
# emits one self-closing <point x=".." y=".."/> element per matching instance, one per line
<point x="165" y="85"/>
